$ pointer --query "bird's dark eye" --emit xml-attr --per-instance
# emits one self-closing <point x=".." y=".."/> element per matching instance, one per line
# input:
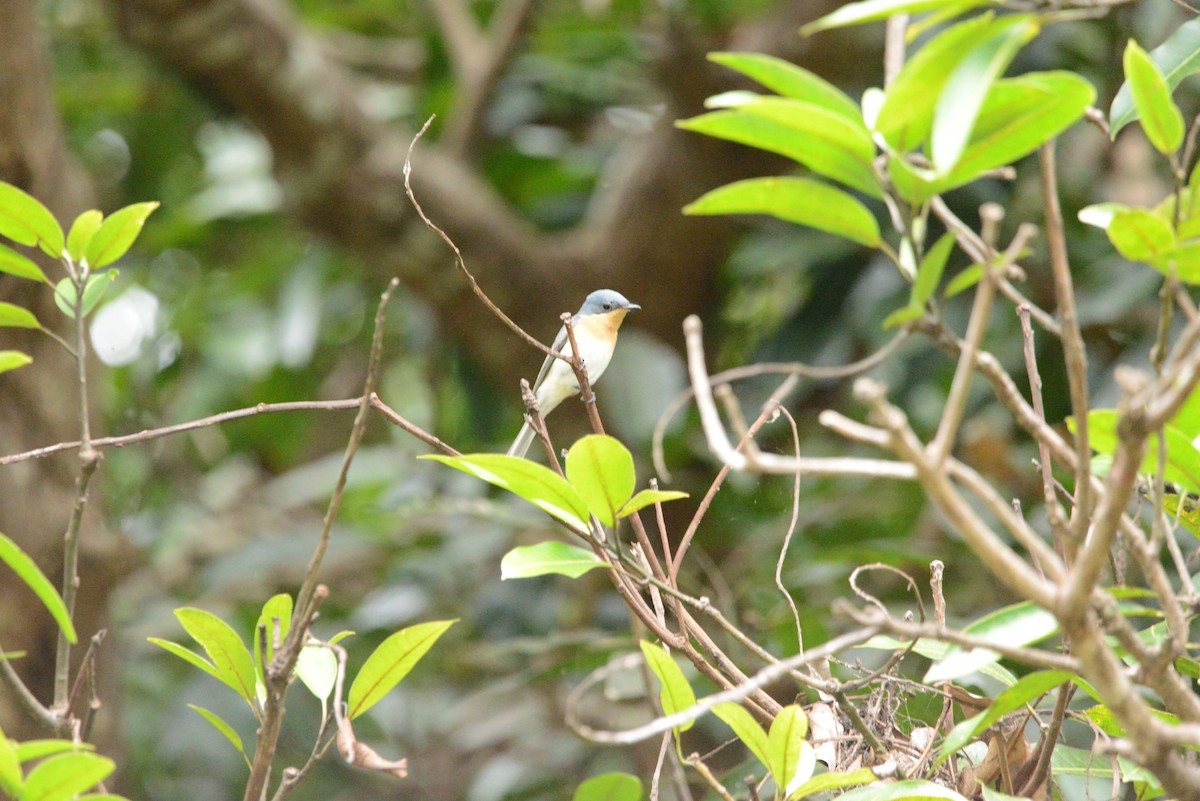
<point x="607" y="306"/>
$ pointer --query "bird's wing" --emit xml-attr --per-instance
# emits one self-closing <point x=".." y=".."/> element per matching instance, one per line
<point x="560" y="344"/>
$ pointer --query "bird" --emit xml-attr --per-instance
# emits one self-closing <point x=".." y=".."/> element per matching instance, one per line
<point x="595" y="326"/>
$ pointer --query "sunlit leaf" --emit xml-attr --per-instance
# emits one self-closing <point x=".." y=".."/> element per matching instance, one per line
<point x="24" y="220"/>
<point x="64" y="776"/>
<point x="14" y="263"/>
<point x="1028" y="688"/>
<point x="676" y="694"/>
<point x="601" y="470"/>
<point x="547" y="558"/>
<point x="1183" y="460"/>
<point x="10" y="768"/>
<point x="747" y="729"/>
<point x="97" y="284"/>
<point x="914" y="790"/>
<point x="1017" y="625"/>
<point x="82" y="230"/>
<point x="825" y="782"/>
<point x="12" y="316"/>
<point x="225" y="649"/>
<point x="610" y="787"/>
<point x="789" y="80"/>
<point x="785" y="740"/>
<point x="797" y="200"/>
<point x="964" y="280"/>
<point x="276" y="620"/>
<point x="32" y="576"/>
<point x="874" y="10"/>
<point x="539" y="485"/>
<point x="224" y="728"/>
<point x="1140" y="235"/>
<point x="117" y="233"/>
<point x="647" y="497"/>
<point x="1176" y="58"/>
<point x="929" y="273"/>
<point x="391" y="662"/>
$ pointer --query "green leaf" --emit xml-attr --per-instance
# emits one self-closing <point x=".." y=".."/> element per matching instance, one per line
<point x="223" y="727"/>
<point x="12" y="316"/>
<point x="964" y="280"/>
<point x="117" y="233"/>
<point x="929" y="273"/>
<point x="539" y="485"/>
<point x="1140" y="235"/>
<point x="551" y="557"/>
<point x="391" y="662"/>
<point x="1176" y="59"/>
<point x="967" y="87"/>
<point x="995" y="795"/>
<point x="601" y="470"/>
<point x="14" y="263"/>
<point x="676" y="694"/>
<point x="1183" y="460"/>
<point x="82" y="231"/>
<point x="1161" y="118"/>
<point x="317" y="668"/>
<point x="37" y="749"/>
<point x="12" y="359"/>
<point x="935" y="650"/>
<point x="187" y="655"/>
<point x="787" y="79"/>
<point x="1017" y="625"/>
<point x="28" y="571"/>
<point x="902" y="315"/>
<point x="797" y="200"/>
<point x="1100" y="215"/>
<point x="873" y="10"/>
<point x="24" y="220"/>
<point x="746" y="728"/>
<point x="906" y="117"/>
<point x="10" y="768"/>
<point x="278" y="607"/>
<point x="647" y="497"/>
<point x="1018" y="116"/>
<point x="224" y="647"/>
<point x="899" y="791"/>
<point x="62" y="777"/>
<point x="1030" y="687"/>
<point x="805" y="133"/>
<point x="97" y="285"/>
<point x="784" y="743"/>
<point x="610" y="787"/>
<point x="834" y="781"/>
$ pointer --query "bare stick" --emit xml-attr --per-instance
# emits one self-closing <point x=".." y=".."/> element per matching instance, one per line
<point x="1054" y="513"/>
<point x="787" y="537"/>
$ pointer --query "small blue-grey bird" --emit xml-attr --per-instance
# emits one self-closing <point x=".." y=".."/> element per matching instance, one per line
<point x="595" y="326"/>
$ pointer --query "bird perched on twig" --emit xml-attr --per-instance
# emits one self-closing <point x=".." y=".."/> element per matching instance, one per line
<point x="595" y="326"/>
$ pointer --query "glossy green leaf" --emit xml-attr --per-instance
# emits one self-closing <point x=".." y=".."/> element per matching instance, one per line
<point x="14" y="263"/>
<point x="32" y="576"/>
<point x="902" y="315"/>
<point x="65" y="776"/>
<point x="826" y="782"/>
<point x="1030" y="687"/>
<point x="546" y="558"/>
<point x="747" y="729"/>
<point x="12" y="316"/>
<point x="38" y="749"/>
<point x="1183" y="460"/>
<point x="82" y="231"/>
<point x="224" y="647"/>
<point x="874" y="10"/>
<point x="797" y="200"/>
<point x="910" y="790"/>
<point x="1140" y="235"/>
<point x="1017" y="625"/>
<point x="117" y="234"/>
<point x="1176" y="59"/>
<point x="601" y="470"/>
<point x="1183" y="261"/>
<point x="539" y="485"/>
<point x="391" y="662"/>
<point x="24" y="220"/>
<point x="803" y="132"/>
<point x="1018" y="116"/>
<point x="224" y="728"/>
<point x="676" y="694"/>
<point x="785" y="741"/>
<point x="967" y="88"/>
<point x="906" y="118"/>
<point x="647" y="497"/>
<point x="787" y="79"/>
<point x="317" y="667"/>
<point x="1161" y="119"/>
<point x="609" y="787"/>
<point x="11" y="776"/>
<point x="1100" y="215"/>
<point x="277" y="608"/>
<point x="97" y="285"/>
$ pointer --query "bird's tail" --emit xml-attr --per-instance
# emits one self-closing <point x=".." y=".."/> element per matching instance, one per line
<point x="521" y="444"/>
